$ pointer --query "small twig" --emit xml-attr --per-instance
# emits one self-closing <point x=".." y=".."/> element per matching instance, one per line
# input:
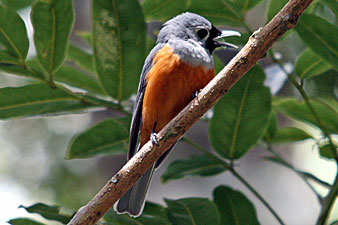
<point x="329" y="201"/>
<point x="225" y="164"/>
<point x="316" y="179"/>
<point x="256" y="47"/>
<point x="235" y="174"/>
<point x="301" y="91"/>
<point x="83" y="97"/>
<point x="299" y="173"/>
<point x="241" y="179"/>
<point x="315" y="115"/>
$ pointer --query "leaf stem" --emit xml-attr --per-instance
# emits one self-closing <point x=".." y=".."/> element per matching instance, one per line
<point x="301" y="174"/>
<point x="235" y="174"/>
<point x="307" y="102"/>
<point x="85" y="98"/>
<point x="89" y="99"/>
<point x="329" y="201"/>
<point x="266" y="204"/>
<point x="206" y="152"/>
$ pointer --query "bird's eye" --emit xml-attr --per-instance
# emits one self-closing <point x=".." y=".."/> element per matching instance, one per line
<point x="203" y="33"/>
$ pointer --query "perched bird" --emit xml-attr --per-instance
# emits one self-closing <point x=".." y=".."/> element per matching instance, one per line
<point x="175" y="70"/>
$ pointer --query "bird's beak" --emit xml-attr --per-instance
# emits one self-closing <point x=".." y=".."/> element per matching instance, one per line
<point x="223" y="34"/>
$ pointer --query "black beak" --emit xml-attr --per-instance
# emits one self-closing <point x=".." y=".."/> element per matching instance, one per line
<point x="215" y="34"/>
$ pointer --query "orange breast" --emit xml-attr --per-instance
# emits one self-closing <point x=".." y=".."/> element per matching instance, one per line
<point x="170" y="86"/>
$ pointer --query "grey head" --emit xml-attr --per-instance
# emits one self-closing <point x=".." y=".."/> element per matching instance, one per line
<point x="194" y="28"/>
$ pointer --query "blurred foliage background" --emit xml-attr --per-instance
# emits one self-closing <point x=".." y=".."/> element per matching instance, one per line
<point x="65" y="113"/>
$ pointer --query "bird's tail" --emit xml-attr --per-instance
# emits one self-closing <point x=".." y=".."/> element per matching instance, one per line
<point x="132" y="202"/>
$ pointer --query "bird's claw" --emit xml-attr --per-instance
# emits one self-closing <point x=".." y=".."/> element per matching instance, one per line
<point x="154" y="138"/>
<point x="153" y="135"/>
<point x="195" y="94"/>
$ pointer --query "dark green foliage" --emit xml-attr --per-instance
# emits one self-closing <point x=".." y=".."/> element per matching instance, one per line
<point x="320" y="36"/>
<point x="245" y="108"/>
<point x="13" y="37"/>
<point x="119" y="45"/>
<point x="48" y="212"/>
<point x="110" y="136"/>
<point x="234" y="207"/>
<point x="52" y="21"/>
<point x="195" y="166"/>
<point x="192" y="211"/>
<point x="36" y="99"/>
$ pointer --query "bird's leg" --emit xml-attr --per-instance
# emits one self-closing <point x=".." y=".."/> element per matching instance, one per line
<point x="195" y="94"/>
<point x="153" y="136"/>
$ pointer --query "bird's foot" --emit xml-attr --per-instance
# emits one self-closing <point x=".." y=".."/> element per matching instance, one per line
<point x="153" y="136"/>
<point x="195" y="94"/>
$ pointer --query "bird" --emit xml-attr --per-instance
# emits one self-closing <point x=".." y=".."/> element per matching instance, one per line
<point x="176" y="69"/>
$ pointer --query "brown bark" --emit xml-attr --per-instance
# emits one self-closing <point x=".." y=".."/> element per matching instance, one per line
<point x="258" y="44"/>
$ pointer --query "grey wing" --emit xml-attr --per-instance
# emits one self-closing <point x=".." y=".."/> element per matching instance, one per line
<point x="136" y="120"/>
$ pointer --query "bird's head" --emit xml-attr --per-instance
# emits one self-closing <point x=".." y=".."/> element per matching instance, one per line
<point x="190" y="26"/>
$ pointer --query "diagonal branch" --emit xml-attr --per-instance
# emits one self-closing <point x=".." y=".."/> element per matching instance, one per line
<point x="256" y="47"/>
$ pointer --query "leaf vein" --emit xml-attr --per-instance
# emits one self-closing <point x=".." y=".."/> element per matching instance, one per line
<point x="52" y="47"/>
<point x="238" y="118"/>
<point x="120" y="72"/>
<point x="13" y="46"/>
<point x="36" y="102"/>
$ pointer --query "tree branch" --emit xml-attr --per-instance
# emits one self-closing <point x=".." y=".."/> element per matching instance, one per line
<point x="256" y="47"/>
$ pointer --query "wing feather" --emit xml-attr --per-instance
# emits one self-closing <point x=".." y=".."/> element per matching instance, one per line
<point x="136" y="120"/>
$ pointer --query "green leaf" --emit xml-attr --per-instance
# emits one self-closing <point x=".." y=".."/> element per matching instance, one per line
<point x="308" y="65"/>
<point x="271" y="130"/>
<point x="163" y="9"/>
<point x="326" y="111"/>
<point x="290" y="134"/>
<point x="81" y="58"/>
<point x="278" y="161"/>
<point x="13" y="35"/>
<point x="200" y="165"/>
<point x="326" y="151"/>
<point x="17" y="4"/>
<point x="218" y="12"/>
<point x="71" y="76"/>
<point x="23" y="221"/>
<point x="245" y="108"/>
<point x="323" y="86"/>
<point x="245" y="5"/>
<point x="152" y="214"/>
<point x="154" y="209"/>
<point x="119" y="45"/>
<point x="234" y="207"/>
<point x="274" y="7"/>
<point x="110" y="137"/>
<point x="52" y="22"/>
<point x="192" y="211"/>
<point x="76" y="78"/>
<point x="18" y="70"/>
<point x="36" y="99"/>
<point x="320" y="36"/>
<point x="7" y="58"/>
<point x="332" y="5"/>
<point x="48" y="212"/>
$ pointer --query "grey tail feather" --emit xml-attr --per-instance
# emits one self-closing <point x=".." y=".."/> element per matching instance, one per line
<point x="132" y="202"/>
